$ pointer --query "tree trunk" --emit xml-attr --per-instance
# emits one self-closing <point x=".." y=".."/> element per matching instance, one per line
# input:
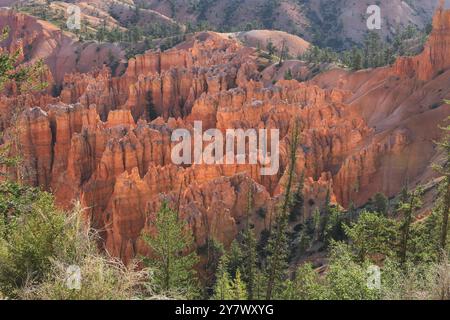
<point x="445" y="212"/>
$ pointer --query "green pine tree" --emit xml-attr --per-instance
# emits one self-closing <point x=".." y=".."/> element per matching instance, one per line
<point x="249" y="250"/>
<point x="278" y="245"/>
<point x="297" y="210"/>
<point x="222" y="288"/>
<point x="445" y="187"/>
<point x="271" y="48"/>
<point x="227" y="289"/>
<point x="174" y="266"/>
<point x="380" y="203"/>
<point x="288" y="75"/>
<point x="373" y="234"/>
<point x="317" y="225"/>
<point x="407" y="208"/>
<point x="214" y="254"/>
<point x="351" y="212"/>
<point x="238" y="288"/>
<point x="235" y="258"/>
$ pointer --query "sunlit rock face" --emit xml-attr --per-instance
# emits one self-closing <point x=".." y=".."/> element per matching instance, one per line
<point x="434" y="59"/>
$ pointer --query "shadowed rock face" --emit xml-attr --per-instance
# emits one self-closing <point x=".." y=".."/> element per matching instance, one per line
<point x="362" y="133"/>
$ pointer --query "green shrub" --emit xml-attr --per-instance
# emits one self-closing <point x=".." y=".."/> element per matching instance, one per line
<point x="38" y="243"/>
<point x="32" y="232"/>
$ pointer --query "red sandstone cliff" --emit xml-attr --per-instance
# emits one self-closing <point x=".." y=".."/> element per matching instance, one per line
<point x="434" y="60"/>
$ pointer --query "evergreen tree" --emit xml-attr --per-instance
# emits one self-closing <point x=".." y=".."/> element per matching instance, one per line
<point x="284" y="53"/>
<point x="306" y="285"/>
<point x="407" y="209"/>
<point x="334" y="227"/>
<point x="101" y="32"/>
<point x="345" y="278"/>
<point x="372" y="234"/>
<point x="445" y="210"/>
<point x="278" y="242"/>
<point x="259" y="286"/>
<point x="214" y="254"/>
<point x="316" y="224"/>
<point x="249" y="250"/>
<point x="299" y="201"/>
<point x="444" y="169"/>
<point x="225" y="288"/>
<point x="380" y="204"/>
<point x="372" y="49"/>
<point x="288" y="75"/>
<point x="277" y="261"/>
<point x="174" y="267"/>
<point x="357" y="59"/>
<point x="322" y="218"/>
<point x="352" y="212"/>
<point x="271" y="48"/>
<point x="238" y="288"/>
<point x="222" y="289"/>
<point x="235" y="259"/>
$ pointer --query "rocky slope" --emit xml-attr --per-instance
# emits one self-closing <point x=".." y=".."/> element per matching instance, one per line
<point x="334" y="23"/>
<point x="327" y="23"/>
<point x="294" y="45"/>
<point x="61" y="52"/>
<point x="97" y="141"/>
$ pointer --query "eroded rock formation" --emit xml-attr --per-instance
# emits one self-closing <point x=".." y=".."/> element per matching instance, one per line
<point x="107" y="140"/>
